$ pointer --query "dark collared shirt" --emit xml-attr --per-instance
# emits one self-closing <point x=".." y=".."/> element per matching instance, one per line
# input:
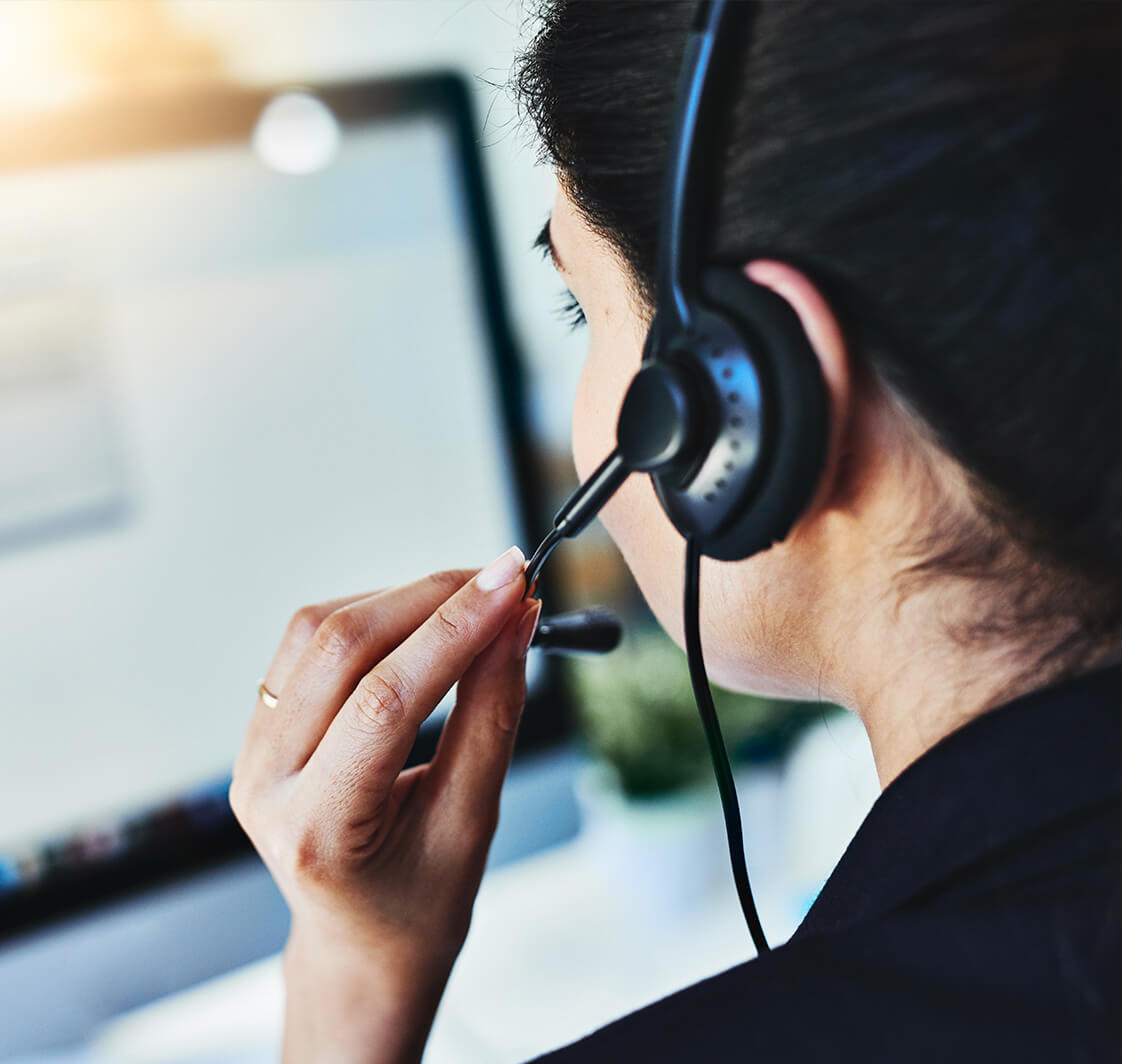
<point x="974" y="916"/>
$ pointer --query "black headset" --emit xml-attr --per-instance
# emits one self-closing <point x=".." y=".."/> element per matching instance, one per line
<point x="728" y="413"/>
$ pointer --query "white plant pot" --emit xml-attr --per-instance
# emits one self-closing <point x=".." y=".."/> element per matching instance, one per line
<point x="662" y="855"/>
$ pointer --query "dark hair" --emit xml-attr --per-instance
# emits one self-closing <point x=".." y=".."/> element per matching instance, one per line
<point x="949" y="175"/>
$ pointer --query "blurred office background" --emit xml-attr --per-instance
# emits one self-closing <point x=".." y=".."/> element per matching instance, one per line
<point x="608" y="885"/>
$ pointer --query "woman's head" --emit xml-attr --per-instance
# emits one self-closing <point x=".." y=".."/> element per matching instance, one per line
<point x="938" y="189"/>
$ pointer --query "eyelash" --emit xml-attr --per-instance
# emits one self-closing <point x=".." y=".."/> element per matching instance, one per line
<point x="570" y="311"/>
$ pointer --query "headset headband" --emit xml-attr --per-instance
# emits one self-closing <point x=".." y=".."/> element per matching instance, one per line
<point x="697" y="142"/>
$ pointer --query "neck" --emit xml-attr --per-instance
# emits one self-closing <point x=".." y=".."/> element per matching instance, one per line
<point x="899" y="659"/>
<point x="917" y="701"/>
<point x="892" y="647"/>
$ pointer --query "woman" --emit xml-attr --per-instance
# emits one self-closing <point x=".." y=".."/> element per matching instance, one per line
<point x="934" y="191"/>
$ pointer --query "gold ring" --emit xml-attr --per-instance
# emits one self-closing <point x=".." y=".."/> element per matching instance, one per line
<point x="266" y="695"/>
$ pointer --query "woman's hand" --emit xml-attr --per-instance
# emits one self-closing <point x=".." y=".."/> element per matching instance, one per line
<point x="380" y="866"/>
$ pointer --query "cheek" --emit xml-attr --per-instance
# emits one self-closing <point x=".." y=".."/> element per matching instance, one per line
<point x="591" y="440"/>
<point x="650" y="546"/>
<point x="600" y="390"/>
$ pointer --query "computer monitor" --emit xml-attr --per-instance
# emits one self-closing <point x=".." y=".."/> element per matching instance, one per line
<point x="253" y="355"/>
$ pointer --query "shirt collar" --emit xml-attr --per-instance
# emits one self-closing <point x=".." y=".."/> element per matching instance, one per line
<point x="1003" y="775"/>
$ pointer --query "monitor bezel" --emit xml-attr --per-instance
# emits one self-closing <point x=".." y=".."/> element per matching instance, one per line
<point x="215" y="115"/>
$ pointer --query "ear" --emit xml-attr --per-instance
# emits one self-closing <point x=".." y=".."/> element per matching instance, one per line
<point x="825" y="335"/>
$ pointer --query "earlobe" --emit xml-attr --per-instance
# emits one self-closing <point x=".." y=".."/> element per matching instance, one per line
<point x="826" y="339"/>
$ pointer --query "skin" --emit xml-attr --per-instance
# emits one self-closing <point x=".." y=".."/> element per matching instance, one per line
<point x="380" y="865"/>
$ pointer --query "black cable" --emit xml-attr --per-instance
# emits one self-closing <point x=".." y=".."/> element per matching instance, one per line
<point x="725" y="784"/>
<point x="537" y="560"/>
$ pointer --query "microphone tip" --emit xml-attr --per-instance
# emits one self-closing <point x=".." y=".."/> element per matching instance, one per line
<point x="591" y="631"/>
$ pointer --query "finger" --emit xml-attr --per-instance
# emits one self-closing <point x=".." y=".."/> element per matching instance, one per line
<point x="366" y="745"/>
<point x="345" y="645"/>
<point x="299" y="633"/>
<point x="466" y="775"/>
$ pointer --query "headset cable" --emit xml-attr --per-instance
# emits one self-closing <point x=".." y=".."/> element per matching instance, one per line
<point x="725" y="783"/>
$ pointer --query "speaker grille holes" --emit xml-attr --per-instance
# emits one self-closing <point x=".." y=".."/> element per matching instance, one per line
<point x="730" y="466"/>
<point x="734" y="444"/>
<point x="734" y="397"/>
<point x="710" y="497"/>
<point x="727" y="373"/>
<point x="720" y="483"/>
<point x="736" y="422"/>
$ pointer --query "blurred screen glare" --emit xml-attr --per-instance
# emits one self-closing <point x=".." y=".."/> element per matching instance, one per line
<point x="296" y="134"/>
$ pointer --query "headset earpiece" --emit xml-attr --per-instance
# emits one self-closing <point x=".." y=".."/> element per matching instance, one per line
<point x="759" y="418"/>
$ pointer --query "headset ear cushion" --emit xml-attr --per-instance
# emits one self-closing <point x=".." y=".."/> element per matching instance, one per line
<point x="797" y="406"/>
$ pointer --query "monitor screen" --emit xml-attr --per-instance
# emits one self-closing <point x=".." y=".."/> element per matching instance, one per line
<point x="236" y="377"/>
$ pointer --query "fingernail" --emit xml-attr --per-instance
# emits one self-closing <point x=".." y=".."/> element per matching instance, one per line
<point x="502" y="570"/>
<point x="527" y="627"/>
